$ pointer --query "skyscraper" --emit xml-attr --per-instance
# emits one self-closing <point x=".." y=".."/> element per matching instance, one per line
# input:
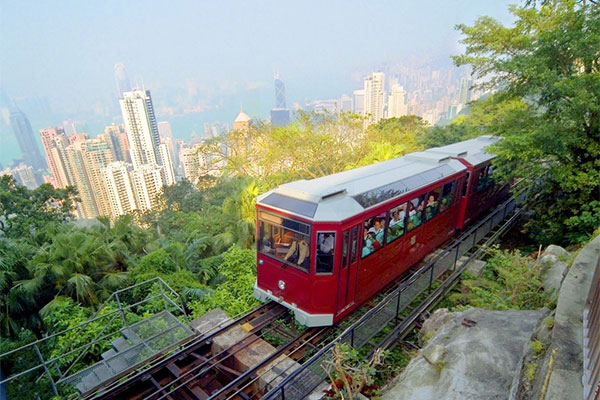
<point x="96" y="154"/>
<point x="147" y="183"/>
<point x="164" y="130"/>
<point x="23" y="174"/>
<point x="54" y="141"/>
<point x="119" y="188"/>
<point x="121" y="80"/>
<point x="165" y="155"/>
<point x="464" y="94"/>
<point x="358" y="102"/>
<point x="280" y="100"/>
<point x="396" y="103"/>
<point x="24" y="134"/>
<point x="141" y="127"/>
<point x="374" y="97"/>
<point x="280" y="115"/>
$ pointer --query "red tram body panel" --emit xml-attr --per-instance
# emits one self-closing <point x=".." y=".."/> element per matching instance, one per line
<point x="327" y="245"/>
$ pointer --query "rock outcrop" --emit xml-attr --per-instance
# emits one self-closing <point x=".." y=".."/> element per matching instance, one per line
<point x="471" y="355"/>
<point x="554" y="370"/>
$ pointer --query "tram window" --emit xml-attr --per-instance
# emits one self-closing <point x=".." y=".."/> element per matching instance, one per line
<point x="345" y="249"/>
<point x="481" y="180"/>
<point x="396" y="224"/>
<point x="447" y="195"/>
<point x="325" y="252"/>
<point x="284" y="239"/>
<point x="415" y="212"/>
<point x="373" y="234"/>
<point x="432" y="205"/>
<point x="465" y="187"/>
<point x="354" y="252"/>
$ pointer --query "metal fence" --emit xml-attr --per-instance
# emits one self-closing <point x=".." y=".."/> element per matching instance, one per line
<point x="124" y="337"/>
<point x="591" y="340"/>
<point x="394" y="307"/>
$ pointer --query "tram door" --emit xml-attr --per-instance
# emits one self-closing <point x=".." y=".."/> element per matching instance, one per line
<point x="347" y="270"/>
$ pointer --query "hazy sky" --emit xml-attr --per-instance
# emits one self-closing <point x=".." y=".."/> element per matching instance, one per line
<point x="65" y="50"/>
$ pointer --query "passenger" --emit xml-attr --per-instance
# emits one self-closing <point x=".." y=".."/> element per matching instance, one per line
<point x="367" y="244"/>
<point x="396" y="228"/>
<point x="326" y="243"/>
<point x="432" y="207"/>
<point x="414" y="215"/>
<point x="379" y="226"/>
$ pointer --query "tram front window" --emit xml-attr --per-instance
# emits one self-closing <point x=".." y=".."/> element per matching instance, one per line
<point x="284" y="239"/>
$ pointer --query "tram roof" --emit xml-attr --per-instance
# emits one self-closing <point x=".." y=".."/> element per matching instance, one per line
<point x="472" y="150"/>
<point x="340" y="196"/>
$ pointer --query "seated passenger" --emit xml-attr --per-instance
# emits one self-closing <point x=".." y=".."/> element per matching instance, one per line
<point x="396" y="228"/>
<point x="379" y="226"/>
<point x="414" y="215"/>
<point x="367" y="244"/>
<point x="445" y="203"/>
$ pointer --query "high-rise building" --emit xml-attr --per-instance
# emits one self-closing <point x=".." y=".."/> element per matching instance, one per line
<point x="121" y="80"/>
<point x="119" y="188"/>
<point x="464" y="94"/>
<point x="280" y="115"/>
<point x="374" y="87"/>
<point x="280" y="98"/>
<point x="96" y="154"/>
<point x="54" y="142"/>
<point x="346" y="103"/>
<point x="75" y="166"/>
<point x="164" y="130"/>
<point x="169" y="172"/>
<point x="24" y="134"/>
<point x="141" y="127"/>
<point x="396" y="102"/>
<point x="147" y="184"/>
<point x="358" y="102"/>
<point x="23" y="174"/>
<point x="117" y="137"/>
<point x="69" y="127"/>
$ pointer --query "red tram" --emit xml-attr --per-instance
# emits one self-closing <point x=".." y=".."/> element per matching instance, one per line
<point x="328" y="244"/>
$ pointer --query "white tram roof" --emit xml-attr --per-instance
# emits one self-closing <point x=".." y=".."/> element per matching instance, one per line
<point x="472" y="150"/>
<point x="340" y="196"/>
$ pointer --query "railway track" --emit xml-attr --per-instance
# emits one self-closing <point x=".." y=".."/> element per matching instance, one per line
<point x="262" y="351"/>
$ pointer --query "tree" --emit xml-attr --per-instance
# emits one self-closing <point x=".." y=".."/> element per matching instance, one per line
<point x="546" y="70"/>
<point x="24" y="212"/>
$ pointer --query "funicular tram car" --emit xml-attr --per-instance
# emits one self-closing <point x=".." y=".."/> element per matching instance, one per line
<point x="328" y="244"/>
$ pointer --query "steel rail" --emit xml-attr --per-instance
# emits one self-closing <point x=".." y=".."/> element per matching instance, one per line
<point x="188" y="348"/>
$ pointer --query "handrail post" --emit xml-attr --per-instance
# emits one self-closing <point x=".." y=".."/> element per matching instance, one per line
<point x="398" y="306"/>
<point x="123" y="317"/>
<point x="431" y="276"/>
<point x="41" y="358"/>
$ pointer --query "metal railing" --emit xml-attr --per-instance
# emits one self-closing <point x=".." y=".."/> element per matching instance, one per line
<point x="591" y="340"/>
<point x="115" y="315"/>
<point x="393" y="309"/>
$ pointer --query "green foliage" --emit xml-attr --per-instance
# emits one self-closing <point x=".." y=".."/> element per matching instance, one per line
<point x="547" y="73"/>
<point x="510" y="281"/>
<point x="537" y="346"/>
<point x="530" y="371"/>
<point x="24" y="212"/>
<point x="235" y="294"/>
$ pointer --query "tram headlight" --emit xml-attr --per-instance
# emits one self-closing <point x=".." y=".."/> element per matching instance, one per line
<point x="281" y="285"/>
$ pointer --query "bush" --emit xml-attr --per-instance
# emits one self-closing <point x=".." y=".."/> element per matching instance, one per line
<point x="510" y="281"/>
